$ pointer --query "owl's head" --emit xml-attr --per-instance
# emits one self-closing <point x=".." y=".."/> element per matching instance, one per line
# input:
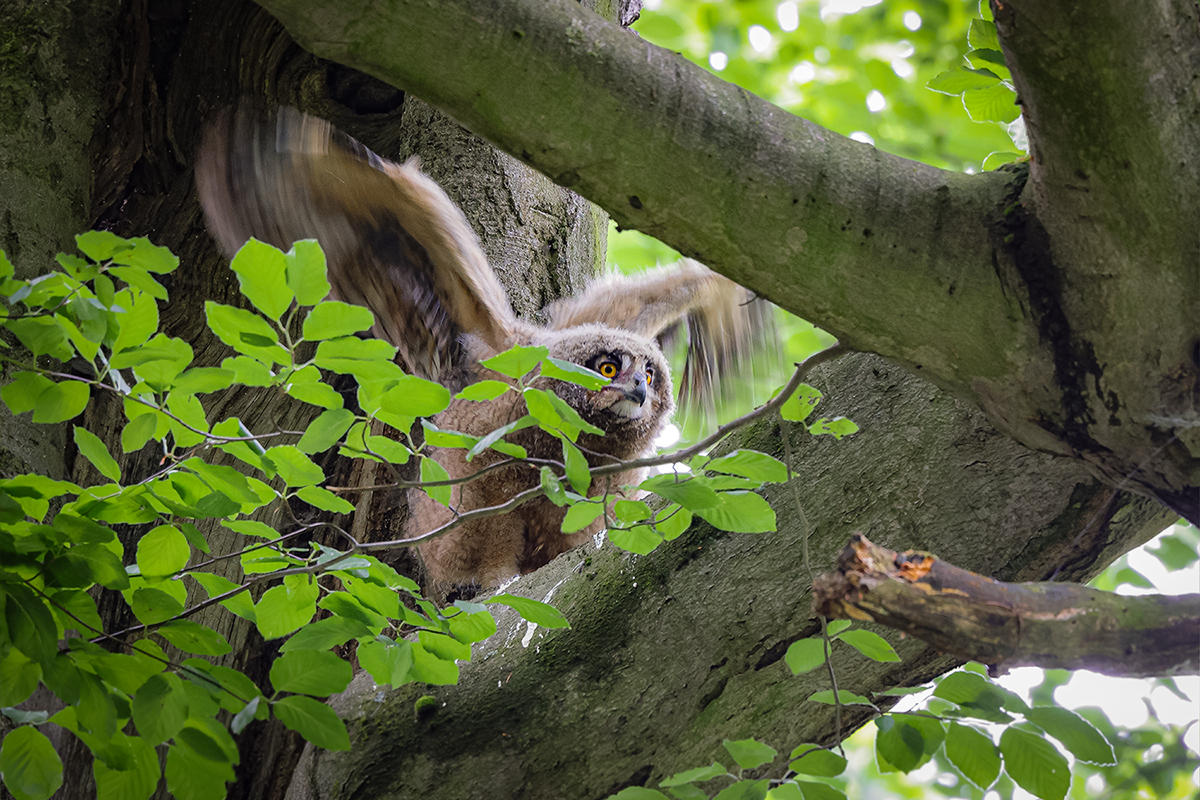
<point x="638" y="400"/>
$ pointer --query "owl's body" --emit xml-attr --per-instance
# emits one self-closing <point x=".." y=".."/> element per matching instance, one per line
<point x="398" y="246"/>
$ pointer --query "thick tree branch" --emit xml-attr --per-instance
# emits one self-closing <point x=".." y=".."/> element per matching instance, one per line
<point x="669" y="653"/>
<point x="890" y="255"/>
<point x="955" y="276"/>
<point x="1008" y="625"/>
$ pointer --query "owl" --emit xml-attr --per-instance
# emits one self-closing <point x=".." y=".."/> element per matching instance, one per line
<point x="396" y="244"/>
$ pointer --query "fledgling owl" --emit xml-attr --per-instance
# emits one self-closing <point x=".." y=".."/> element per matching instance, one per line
<point x="396" y="244"/>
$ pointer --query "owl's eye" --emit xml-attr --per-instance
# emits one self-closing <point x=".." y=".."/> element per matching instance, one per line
<point x="649" y="376"/>
<point x="608" y="369"/>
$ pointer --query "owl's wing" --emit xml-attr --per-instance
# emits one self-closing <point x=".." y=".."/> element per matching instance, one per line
<point x="728" y="333"/>
<point x="394" y="242"/>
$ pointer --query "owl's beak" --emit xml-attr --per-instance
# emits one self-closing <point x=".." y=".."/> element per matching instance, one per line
<point x="636" y="393"/>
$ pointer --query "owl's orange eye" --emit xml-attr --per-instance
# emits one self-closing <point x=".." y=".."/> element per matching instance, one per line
<point x="649" y="376"/>
<point x="608" y="369"/>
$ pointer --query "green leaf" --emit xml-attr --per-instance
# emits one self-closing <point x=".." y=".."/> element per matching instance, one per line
<point x="415" y="397"/>
<point x="1034" y="764"/>
<point x="638" y="793"/>
<point x="1078" y="735"/>
<point x="740" y="512"/>
<point x="433" y="471"/>
<point x="640" y="539"/>
<point x="900" y="744"/>
<point x="749" y="753"/>
<point x="813" y="760"/>
<point x="982" y="35"/>
<point x="85" y="564"/>
<point x="61" y="402"/>
<point x="246" y="332"/>
<point x="332" y="319"/>
<point x="43" y="336"/>
<point x="428" y="668"/>
<point x="551" y="485"/>
<point x="974" y="755"/>
<point x="283" y="609"/>
<point x="252" y="527"/>
<point x="324" y="634"/>
<point x="632" y="511"/>
<point x="294" y="467"/>
<point x="22" y="393"/>
<point x="958" y="80"/>
<point x="805" y="655"/>
<point x="95" y="451"/>
<point x="845" y="697"/>
<point x="201" y="380"/>
<point x="750" y="464"/>
<point x="444" y="647"/>
<point x="137" y="316"/>
<point x="516" y="362"/>
<point x="315" y="672"/>
<point x="573" y="373"/>
<point x="697" y="775"/>
<point x="838" y="427"/>
<point x="580" y="515"/>
<point x="470" y="627"/>
<point x="306" y="272"/>
<point x="162" y="551"/>
<point x="389" y="663"/>
<point x="871" y="645"/>
<point x="100" y="245"/>
<point x="19" y="676"/>
<point x="672" y="521"/>
<point x="691" y="493"/>
<point x="532" y="611"/>
<point x="30" y="624"/>
<point x="160" y="708"/>
<point x="313" y="720"/>
<point x="140" y="279"/>
<point x="29" y="764"/>
<point x="797" y="407"/>
<point x="262" y="273"/>
<point x="192" y="637"/>
<point x="152" y="606"/>
<point x="325" y="500"/>
<point x="137" y="432"/>
<point x="993" y="104"/>
<point x="137" y="780"/>
<point x="577" y="468"/>
<point x="325" y="431"/>
<point x="191" y="776"/>
<point x="815" y="791"/>
<point x="483" y="390"/>
<point x="248" y="371"/>
<point x="144" y="255"/>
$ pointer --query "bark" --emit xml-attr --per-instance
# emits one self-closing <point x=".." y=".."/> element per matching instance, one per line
<point x="1034" y="300"/>
<point x="672" y="652"/>
<point x="1009" y="625"/>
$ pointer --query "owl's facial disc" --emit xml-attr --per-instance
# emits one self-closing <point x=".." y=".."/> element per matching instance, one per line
<point x="628" y="394"/>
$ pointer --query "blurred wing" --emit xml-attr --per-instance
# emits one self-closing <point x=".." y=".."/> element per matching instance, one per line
<point x="728" y="333"/>
<point x="395" y="243"/>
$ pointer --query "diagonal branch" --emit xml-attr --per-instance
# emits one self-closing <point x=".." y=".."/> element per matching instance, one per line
<point x="890" y="255"/>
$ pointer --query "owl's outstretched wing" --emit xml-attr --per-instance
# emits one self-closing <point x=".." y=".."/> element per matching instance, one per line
<point x="724" y="328"/>
<point x="395" y="243"/>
